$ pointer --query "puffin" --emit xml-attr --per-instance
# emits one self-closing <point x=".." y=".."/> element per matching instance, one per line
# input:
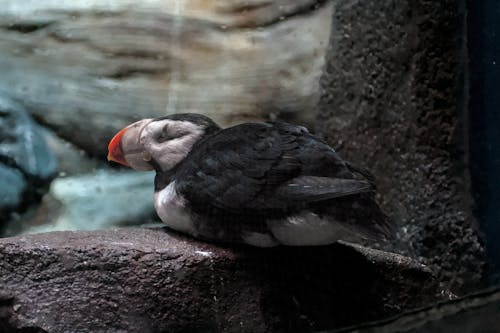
<point x="262" y="184"/>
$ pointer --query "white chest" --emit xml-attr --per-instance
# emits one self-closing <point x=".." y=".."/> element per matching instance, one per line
<point x="171" y="208"/>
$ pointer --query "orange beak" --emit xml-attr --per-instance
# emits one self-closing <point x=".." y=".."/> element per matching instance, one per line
<point x="115" y="152"/>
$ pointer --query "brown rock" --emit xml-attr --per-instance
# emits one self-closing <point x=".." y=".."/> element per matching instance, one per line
<point x="141" y="280"/>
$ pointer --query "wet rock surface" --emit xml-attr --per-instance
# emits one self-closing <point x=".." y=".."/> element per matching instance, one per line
<point x="392" y="101"/>
<point x="26" y="163"/>
<point x="142" y="280"/>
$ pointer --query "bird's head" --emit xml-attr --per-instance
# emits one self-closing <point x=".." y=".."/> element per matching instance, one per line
<point x="159" y="143"/>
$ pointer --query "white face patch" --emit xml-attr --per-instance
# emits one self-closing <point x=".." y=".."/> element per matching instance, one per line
<point x="169" y="141"/>
<point x="171" y="208"/>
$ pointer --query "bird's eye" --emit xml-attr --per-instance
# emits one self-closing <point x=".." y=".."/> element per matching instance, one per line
<point x="164" y="137"/>
<point x="173" y="134"/>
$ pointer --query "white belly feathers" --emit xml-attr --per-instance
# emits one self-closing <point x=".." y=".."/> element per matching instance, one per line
<point x="305" y="228"/>
<point x="171" y="208"/>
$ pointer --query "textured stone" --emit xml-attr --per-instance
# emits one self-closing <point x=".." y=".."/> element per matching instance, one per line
<point x="477" y="312"/>
<point x="100" y="200"/>
<point x="71" y="160"/>
<point x="13" y="185"/>
<point x="26" y="163"/>
<point x="88" y="68"/>
<point x="392" y="101"/>
<point x="141" y="280"/>
<point x="21" y="141"/>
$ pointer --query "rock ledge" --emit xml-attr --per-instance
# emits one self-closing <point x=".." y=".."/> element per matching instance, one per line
<point x="151" y="280"/>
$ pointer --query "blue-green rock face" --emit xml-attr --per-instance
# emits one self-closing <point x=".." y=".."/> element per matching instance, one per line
<point x="25" y="158"/>
<point x="21" y="141"/>
<point x="13" y="185"/>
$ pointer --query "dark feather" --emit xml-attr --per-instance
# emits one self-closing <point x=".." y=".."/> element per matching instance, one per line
<point x="251" y="172"/>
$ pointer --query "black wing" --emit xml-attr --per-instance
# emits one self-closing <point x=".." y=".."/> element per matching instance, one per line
<point x="264" y="167"/>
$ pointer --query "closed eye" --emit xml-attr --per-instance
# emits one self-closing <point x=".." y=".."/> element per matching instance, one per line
<point x="167" y="136"/>
<point x="164" y="137"/>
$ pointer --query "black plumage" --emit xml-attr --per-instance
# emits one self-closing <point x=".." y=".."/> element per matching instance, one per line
<point x="238" y="180"/>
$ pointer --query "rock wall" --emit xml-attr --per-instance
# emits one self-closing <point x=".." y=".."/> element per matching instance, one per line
<point x="26" y="163"/>
<point x="393" y="102"/>
<point x="88" y="68"/>
<point x="85" y="69"/>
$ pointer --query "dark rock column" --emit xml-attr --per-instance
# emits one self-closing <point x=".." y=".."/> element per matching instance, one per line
<point x="393" y="102"/>
<point x="142" y="280"/>
<point x="484" y="104"/>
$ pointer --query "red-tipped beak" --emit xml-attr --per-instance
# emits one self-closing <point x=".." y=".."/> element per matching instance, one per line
<point x="115" y="152"/>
